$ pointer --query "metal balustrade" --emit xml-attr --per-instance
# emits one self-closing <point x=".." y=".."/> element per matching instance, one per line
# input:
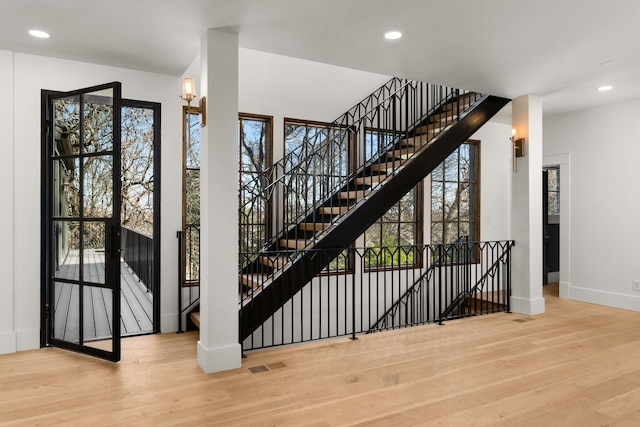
<point x="388" y="288"/>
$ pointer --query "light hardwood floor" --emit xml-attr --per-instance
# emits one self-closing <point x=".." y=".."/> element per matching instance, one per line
<point x="576" y="365"/>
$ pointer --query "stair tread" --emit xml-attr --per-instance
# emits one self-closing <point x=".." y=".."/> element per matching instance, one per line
<point x="386" y="165"/>
<point x="370" y="179"/>
<point x="400" y="154"/>
<point x="253" y="280"/>
<point x="294" y="243"/>
<point x="314" y="226"/>
<point x="353" y="194"/>
<point x="274" y="261"/>
<point x="454" y="105"/>
<point x="333" y="210"/>
<point x="440" y="117"/>
<point x="195" y="318"/>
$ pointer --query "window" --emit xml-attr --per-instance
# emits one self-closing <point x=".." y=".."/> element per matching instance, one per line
<point x="254" y="163"/>
<point x="306" y="139"/>
<point x="455" y="197"/>
<point x="191" y="196"/>
<point x="321" y="156"/>
<point x="553" y="192"/>
<point x="390" y="241"/>
<point x="377" y="142"/>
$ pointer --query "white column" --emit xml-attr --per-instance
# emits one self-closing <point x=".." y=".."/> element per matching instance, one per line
<point x="526" y="208"/>
<point x="7" y="284"/>
<point x="218" y="347"/>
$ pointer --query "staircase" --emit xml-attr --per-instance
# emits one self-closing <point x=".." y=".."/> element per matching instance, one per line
<point x="419" y="140"/>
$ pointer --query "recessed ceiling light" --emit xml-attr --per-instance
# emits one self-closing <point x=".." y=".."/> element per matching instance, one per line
<point x="605" y="88"/>
<point x="392" y="35"/>
<point x="39" y="34"/>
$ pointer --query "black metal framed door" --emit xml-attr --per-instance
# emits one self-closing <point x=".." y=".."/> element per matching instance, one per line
<point x="81" y="220"/>
<point x="545" y="227"/>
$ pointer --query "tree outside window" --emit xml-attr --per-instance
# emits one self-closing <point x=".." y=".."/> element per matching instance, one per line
<point x="553" y="192"/>
<point x="455" y="197"/>
<point x="254" y="163"/>
<point x="391" y="241"/>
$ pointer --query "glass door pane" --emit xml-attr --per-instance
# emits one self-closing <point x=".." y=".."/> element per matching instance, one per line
<point x="83" y="220"/>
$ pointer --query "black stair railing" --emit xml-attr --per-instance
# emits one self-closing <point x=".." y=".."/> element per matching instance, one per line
<point x="394" y="146"/>
<point x="444" y="291"/>
<point x="483" y="296"/>
<point x="389" y="288"/>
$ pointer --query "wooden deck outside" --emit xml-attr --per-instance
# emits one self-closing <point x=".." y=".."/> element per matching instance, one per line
<point x="136" y="308"/>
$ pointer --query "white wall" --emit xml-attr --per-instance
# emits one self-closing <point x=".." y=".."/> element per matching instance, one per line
<point x="604" y="200"/>
<point x="7" y="286"/>
<point x="282" y="86"/>
<point x="20" y="319"/>
<point x="495" y="175"/>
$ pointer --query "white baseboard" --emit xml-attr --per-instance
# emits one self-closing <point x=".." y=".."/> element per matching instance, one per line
<point x="27" y="339"/>
<point x="596" y="296"/>
<point x="529" y="307"/>
<point x="8" y="342"/>
<point x="169" y="322"/>
<point x="564" y="289"/>
<point x="220" y="358"/>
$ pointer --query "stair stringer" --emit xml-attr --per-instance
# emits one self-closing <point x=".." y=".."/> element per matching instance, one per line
<point x="288" y="282"/>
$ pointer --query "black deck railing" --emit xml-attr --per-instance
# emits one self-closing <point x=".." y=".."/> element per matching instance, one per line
<point x="390" y="288"/>
<point x="137" y="252"/>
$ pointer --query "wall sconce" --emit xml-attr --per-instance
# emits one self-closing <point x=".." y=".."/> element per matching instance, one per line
<point x="188" y="89"/>
<point x="189" y="94"/>
<point x="518" y="148"/>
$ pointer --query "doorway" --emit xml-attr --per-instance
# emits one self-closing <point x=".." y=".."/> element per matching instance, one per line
<point x="100" y="219"/>
<point x="551" y="224"/>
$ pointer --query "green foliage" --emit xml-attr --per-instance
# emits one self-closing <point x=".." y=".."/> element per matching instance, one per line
<point x="390" y="257"/>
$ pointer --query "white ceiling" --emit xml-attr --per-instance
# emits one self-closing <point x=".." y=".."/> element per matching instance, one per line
<point x="559" y="49"/>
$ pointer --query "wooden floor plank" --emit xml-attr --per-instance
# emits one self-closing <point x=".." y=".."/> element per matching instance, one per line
<point x="576" y="365"/>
